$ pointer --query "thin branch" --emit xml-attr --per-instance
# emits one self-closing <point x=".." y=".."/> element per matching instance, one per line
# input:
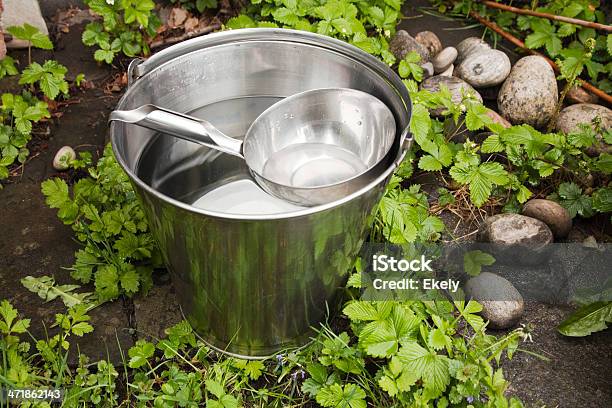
<point x="569" y="20"/>
<point x="491" y="25"/>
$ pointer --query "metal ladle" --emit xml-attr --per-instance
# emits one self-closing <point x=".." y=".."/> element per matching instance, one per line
<point x="310" y="148"/>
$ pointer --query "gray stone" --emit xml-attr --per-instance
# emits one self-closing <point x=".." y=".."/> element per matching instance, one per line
<point x="468" y="46"/>
<point x="448" y="71"/>
<point x="502" y="304"/>
<point x="583" y="113"/>
<point x="444" y="59"/>
<point x="484" y="68"/>
<point x="551" y="213"/>
<point x="156" y="311"/>
<point x="18" y="12"/>
<point x="62" y="158"/>
<point x="571" y="117"/>
<point x="518" y="239"/>
<point x="403" y="43"/>
<point x="529" y="94"/>
<point x="430" y="41"/>
<point x="457" y="87"/>
<point x="516" y="229"/>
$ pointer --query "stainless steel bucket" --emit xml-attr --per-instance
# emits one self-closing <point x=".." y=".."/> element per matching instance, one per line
<point x="249" y="284"/>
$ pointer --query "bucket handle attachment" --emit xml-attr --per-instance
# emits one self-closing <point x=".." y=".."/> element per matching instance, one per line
<point x="182" y="126"/>
<point x="406" y="141"/>
<point x="132" y="71"/>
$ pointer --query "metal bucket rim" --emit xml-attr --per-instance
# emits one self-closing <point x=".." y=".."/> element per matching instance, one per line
<point x="275" y="34"/>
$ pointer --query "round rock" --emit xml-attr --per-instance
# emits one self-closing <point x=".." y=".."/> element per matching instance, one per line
<point x="529" y="94"/>
<point x="516" y="229"/>
<point x="457" y="87"/>
<point x="484" y="68"/>
<point x="430" y="41"/>
<point x="403" y="43"/>
<point x="63" y="157"/>
<point x="444" y="59"/>
<point x="551" y="213"/>
<point x="502" y="304"/>
<point x="574" y="115"/>
<point x="468" y="46"/>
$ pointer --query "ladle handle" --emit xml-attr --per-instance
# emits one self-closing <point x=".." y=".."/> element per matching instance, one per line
<point x="179" y="125"/>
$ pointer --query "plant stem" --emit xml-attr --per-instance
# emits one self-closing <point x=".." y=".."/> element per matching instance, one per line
<point x="588" y="87"/>
<point x="553" y="119"/>
<point x="563" y="19"/>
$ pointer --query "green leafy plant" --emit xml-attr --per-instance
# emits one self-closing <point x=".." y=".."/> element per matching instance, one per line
<point x="125" y="28"/>
<point x="18" y="113"/>
<point x="336" y="395"/>
<point x="34" y="37"/>
<point x="44" y="366"/>
<point x="367" y="25"/>
<point x="7" y="67"/>
<point x="409" y="66"/>
<point x="50" y="77"/>
<point x="193" y="5"/>
<point x="119" y="253"/>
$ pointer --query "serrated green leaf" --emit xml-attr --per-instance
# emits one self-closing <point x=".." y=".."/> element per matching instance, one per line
<point x="334" y="395"/>
<point x="241" y="21"/>
<point x="106" y="281"/>
<point x="438" y="339"/>
<point x="130" y="281"/>
<point x="473" y="261"/>
<point x="32" y="34"/>
<point x="574" y="201"/>
<point x="432" y="368"/>
<point x="140" y="353"/>
<point x="56" y="192"/>
<point x="588" y="319"/>
<point x="492" y="144"/>
<point x="214" y="388"/>
<point x="81" y="328"/>
<point x="429" y="163"/>
<point x="420" y="122"/>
